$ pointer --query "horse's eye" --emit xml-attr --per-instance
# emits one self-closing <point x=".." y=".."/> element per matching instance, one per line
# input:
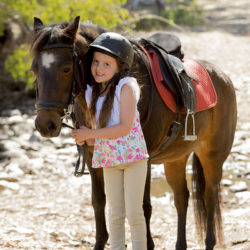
<point x="66" y="70"/>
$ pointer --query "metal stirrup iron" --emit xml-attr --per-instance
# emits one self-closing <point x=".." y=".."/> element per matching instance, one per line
<point x="187" y="137"/>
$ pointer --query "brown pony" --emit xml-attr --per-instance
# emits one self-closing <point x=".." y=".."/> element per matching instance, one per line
<point x="59" y="61"/>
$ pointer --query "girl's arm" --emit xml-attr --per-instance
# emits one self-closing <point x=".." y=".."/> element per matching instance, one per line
<point x="127" y="116"/>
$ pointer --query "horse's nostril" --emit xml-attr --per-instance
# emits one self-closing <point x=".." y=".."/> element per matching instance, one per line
<point x="51" y="125"/>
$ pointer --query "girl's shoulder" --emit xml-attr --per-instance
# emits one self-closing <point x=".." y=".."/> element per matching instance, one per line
<point x="132" y="82"/>
<point x="129" y="80"/>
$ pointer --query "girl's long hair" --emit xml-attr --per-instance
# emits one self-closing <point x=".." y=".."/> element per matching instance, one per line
<point x="108" y="102"/>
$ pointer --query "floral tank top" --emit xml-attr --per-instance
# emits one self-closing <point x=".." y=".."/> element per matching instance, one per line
<point x="125" y="149"/>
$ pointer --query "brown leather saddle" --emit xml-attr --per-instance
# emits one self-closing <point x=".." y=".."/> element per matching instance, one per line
<point x="167" y="47"/>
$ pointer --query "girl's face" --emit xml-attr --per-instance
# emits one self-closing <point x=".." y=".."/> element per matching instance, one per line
<point x="103" y="67"/>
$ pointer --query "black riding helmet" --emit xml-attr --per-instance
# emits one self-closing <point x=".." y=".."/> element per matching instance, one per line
<point x="115" y="45"/>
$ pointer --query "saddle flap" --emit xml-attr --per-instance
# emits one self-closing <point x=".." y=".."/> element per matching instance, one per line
<point x="174" y="76"/>
<point x="203" y="87"/>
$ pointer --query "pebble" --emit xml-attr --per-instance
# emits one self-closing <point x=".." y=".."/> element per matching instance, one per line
<point x="9" y="185"/>
<point x="14" y="168"/>
<point x="239" y="186"/>
<point x="243" y="197"/>
<point x="226" y="182"/>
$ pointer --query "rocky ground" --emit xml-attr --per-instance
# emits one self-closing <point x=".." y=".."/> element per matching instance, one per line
<point x="43" y="206"/>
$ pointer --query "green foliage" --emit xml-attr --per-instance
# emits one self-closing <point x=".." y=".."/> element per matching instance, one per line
<point x="150" y="23"/>
<point x="107" y="13"/>
<point x="18" y="64"/>
<point x="20" y="9"/>
<point x="185" y="12"/>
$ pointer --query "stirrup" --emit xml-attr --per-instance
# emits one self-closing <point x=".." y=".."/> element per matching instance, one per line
<point x="187" y="137"/>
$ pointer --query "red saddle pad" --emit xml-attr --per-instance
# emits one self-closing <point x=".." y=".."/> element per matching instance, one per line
<point x="206" y="97"/>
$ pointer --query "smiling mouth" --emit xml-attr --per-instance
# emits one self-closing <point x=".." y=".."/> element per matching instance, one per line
<point x="99" y="75"/>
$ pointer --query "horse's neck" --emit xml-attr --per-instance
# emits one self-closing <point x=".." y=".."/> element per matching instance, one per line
<point x="141" y="66"/>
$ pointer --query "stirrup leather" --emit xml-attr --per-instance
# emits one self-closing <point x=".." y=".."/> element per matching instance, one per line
<point x="193" y="136"/>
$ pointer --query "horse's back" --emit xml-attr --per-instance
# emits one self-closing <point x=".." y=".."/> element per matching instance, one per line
<point x="223" y="117"/>
<point x="226" y="96"/>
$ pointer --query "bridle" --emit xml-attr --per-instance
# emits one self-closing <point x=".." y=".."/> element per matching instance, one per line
<point x="65" y="110"/>
<point x="59" y="107"/>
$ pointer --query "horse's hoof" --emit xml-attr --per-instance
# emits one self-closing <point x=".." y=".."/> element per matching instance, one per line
<point x="101" y="241"/>
<point x="210" y="242"/>
<point x="99" y="246"/>
<point x="151" y="245"/>
<point x="210" y="247"/>
<point x="181" y="246"/>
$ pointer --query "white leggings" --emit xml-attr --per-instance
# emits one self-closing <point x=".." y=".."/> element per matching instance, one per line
<point x="124" y="187"/>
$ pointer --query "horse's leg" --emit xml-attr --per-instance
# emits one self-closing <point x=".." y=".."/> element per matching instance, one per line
<point x="214" y="147"/>
<point x="176" y="176"/>
<point x="98" y="203"/>
<point x="212" y="169"/>
<point x="148" y="208"/>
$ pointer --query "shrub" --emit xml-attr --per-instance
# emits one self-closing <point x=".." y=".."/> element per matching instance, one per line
<point x="185" y="12"/>
<point x="18" y="64"/>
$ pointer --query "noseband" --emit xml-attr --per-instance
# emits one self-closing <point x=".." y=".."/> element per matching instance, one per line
<point x="59" y="107"/>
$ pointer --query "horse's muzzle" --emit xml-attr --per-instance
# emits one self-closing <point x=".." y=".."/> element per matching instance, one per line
<point x="49" y="128"/>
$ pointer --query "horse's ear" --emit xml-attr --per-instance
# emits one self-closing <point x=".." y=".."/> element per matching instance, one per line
<point x="38" y="24"/>
<point x="73" y="27"/>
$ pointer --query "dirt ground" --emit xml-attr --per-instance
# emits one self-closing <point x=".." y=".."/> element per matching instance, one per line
<point x="43" y="206"/>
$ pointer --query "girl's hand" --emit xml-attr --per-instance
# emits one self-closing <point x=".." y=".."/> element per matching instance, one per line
<point x="91" y="142"/>
<point x="81" y="135"/>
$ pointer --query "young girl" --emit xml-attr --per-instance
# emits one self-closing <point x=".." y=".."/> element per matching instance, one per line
<point x="119" y="146"/>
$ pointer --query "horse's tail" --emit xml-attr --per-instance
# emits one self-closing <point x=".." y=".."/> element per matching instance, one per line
<point x="198" y="189"/>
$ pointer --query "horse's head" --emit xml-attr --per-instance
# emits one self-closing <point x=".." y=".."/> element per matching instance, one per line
<point x="56" y="65"/>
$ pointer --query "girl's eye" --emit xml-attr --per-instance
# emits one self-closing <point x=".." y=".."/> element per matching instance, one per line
<point x="106" y="65"/>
